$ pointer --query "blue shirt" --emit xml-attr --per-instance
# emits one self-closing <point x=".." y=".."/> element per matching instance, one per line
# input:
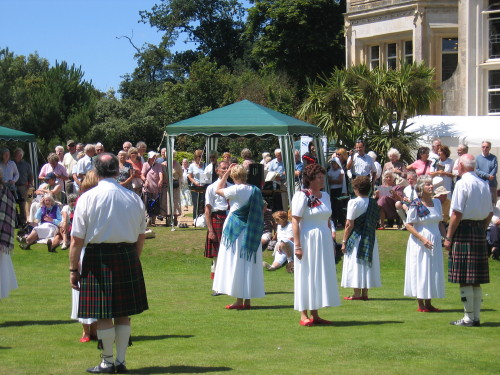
<point x="487" y="166"/>
<point x="277" y="166"/>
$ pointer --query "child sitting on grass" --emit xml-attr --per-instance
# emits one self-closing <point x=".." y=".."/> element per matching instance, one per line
<point x="283" y="251"/>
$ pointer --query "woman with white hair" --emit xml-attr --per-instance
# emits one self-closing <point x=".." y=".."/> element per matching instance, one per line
<point x="424" y="271"/>
<point x="394" y="165"/>
<point x="49" y="216"/>
<point x="373" y="155"/>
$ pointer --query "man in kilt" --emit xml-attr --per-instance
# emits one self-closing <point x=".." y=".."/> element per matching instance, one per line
<point x="216" y="208"/>
<point x="109" y="221"/>
<point x="471" y="211"/>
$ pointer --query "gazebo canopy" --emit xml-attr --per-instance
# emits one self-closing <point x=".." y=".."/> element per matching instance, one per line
<point x="243" y="118"/>
<point x="8" y="134"/>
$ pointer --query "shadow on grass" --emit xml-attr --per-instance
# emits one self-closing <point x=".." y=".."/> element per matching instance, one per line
<point x="350" y="323"/>
<point x="461" y="310"/>
<point x="272" y="307"/>
<point x="490" y="324"/>
<point x="390" y="299"/>
<point x="279" y="293"/>
<point x="160" y="337"/>
<point x="5" y="347"/>
<point x="178" y="370"/>
<point x="23" y="323"/>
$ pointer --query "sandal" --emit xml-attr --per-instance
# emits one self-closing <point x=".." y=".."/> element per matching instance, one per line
<point x="307" y="323"/>
<point x="352" y="298"/>
<point x="235" y="307"/>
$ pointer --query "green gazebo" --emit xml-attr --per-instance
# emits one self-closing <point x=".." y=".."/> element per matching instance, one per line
<point x="245" y="119"/>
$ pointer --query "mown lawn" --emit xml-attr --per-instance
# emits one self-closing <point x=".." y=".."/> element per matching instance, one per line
<point x="187" y="331"/>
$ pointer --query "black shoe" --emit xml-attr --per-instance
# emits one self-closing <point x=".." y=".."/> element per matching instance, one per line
<point x="102" y="370"/>
<point x="49" y="246"/>
<point x="121" y="369"/>
<point x="476" y="323"/>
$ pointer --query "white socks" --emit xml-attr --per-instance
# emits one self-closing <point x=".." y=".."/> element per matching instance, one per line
<point x="467" y="295"/>
<point x="478" y="296"/>
<point x="122" y="338"/>
<point x="107" y="336"/>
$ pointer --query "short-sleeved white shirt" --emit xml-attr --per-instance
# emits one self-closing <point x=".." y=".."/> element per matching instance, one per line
<point x="109" y="213"/>
<point x="284" y="233"/>
<point x="216" y="201"/>
<point x="407" y="191"/>
<point x="84" y="165"/>
<point x="471" y="197"/>
<point x="356" y="207"/>
<point x="363" y="165"/>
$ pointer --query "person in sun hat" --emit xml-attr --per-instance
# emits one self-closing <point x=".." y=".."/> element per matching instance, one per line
<point x="442" y="194"/>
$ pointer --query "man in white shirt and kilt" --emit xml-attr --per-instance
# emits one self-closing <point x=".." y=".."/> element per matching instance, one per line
<point x="110" y="222"/>
<point x="471" y="211"/>
<point x="216" y="208"/>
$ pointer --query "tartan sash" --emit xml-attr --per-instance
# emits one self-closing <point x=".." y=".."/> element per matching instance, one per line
<point x="422" y="211"/>
<point x="249" y="217"/>
<point x="364" y="228"/>
<point x="8" y="220"/>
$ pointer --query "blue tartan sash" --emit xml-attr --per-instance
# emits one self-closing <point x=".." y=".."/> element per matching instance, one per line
<point x="249" y="217"/>
<point x="364" y="228"/>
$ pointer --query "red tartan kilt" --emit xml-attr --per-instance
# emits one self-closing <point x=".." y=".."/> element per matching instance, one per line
<point x="212" y="246"/>
<point x="468" y="259"/>
<point x="111" y="282"/>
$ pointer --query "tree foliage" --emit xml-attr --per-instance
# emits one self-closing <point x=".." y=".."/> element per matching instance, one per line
<point x="374" y="104"/>
<point x="54" y="103"/>
<point x="302" y="38"/>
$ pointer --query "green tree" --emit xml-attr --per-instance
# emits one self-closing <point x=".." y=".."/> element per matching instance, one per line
<point x="372" y="104"/>
<point x="302" y="38"/>
<point x="213" y="26"/>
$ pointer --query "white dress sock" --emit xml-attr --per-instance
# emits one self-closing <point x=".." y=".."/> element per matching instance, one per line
<point x="107" y="336"/>
<point x="478" y="298"/>
<point x="467" y="295"/>
<point x="122" y="338"/>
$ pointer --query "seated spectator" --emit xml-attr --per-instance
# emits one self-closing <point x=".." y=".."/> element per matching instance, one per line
<point x="422" y="165"/>
<point x="67" y="220"/>
<point x="387" y="195"/>
<point x="493" y="233"/>
<point x="443" y="170"/>
<point x="49" y="217"/>
<point x="395" y="165"/>
<point x="49" y="187"/>
<point x="284" y="249"/>
<point x="55" y="167"/>
<point x="269" y="228"/>
<point x="409" y="194"/>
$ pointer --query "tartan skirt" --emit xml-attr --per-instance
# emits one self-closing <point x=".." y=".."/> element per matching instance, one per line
<point x="212" y="246"/>
<point x="468" y="259"/>
<point x="111" y="282"/>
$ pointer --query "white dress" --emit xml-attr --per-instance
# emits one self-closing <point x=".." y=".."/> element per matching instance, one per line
<point x="315" y="276"/>
<point x="354" y="274"/>
<point x="424" y="271"/>
<point x="8" y="280"/>
<point x="75" y="298"/>
<point x="234" y="275"/>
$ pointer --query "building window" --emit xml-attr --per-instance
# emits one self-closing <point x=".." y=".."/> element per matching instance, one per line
<point x="494" y="29"/>
<point x="374" y="57"/>
<point x="408" y="52"/>
<point x="392" y="56"/>
<point x="449" y="56"/>
<point x="494" y="91"/>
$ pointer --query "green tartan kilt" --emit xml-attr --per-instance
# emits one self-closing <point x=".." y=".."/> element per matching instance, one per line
<point x="468" y="259"/>
<point x="111" y="283"/>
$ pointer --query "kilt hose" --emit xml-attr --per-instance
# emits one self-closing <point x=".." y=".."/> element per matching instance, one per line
<point x="111" y="282"/>
<point x="468" y="259"/>
<point x="212" y="246"/>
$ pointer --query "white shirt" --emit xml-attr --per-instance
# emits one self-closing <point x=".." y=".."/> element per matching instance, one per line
<point x="335" y="174"/>
<point x="410" y="192"/>
<point x="284" y="233"/>
<point x="84" y="165"/>
<point x="209" y="170"/>
<point x="471" y="197"/>
<point x="109" y="213"/>
<point x="362" y="165"/>
<point x="69" y="161"/>
<point x="216" y="201"/>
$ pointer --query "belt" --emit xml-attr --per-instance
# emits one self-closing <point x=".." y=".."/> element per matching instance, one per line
<point x="219" y="213"/>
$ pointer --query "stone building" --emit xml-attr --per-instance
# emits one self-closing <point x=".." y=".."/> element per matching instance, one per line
<point x="459" y="38"/>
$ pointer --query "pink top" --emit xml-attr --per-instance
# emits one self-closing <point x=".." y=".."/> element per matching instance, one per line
<point x="420" y="168"/>
<point x="58" y="170"/>
<point x="152" y="175"/>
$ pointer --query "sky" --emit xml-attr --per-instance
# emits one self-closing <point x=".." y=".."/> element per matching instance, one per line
<point x="79" y="32"/>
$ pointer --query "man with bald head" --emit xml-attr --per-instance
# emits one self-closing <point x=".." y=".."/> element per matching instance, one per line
<point x="110" y="280"/>
<point x="471" y="211"/>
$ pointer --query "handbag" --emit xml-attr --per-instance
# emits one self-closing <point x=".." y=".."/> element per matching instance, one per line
<point x="175" y="184"/>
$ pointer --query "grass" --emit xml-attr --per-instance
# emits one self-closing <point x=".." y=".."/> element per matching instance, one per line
<point x="188" y="331"/>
